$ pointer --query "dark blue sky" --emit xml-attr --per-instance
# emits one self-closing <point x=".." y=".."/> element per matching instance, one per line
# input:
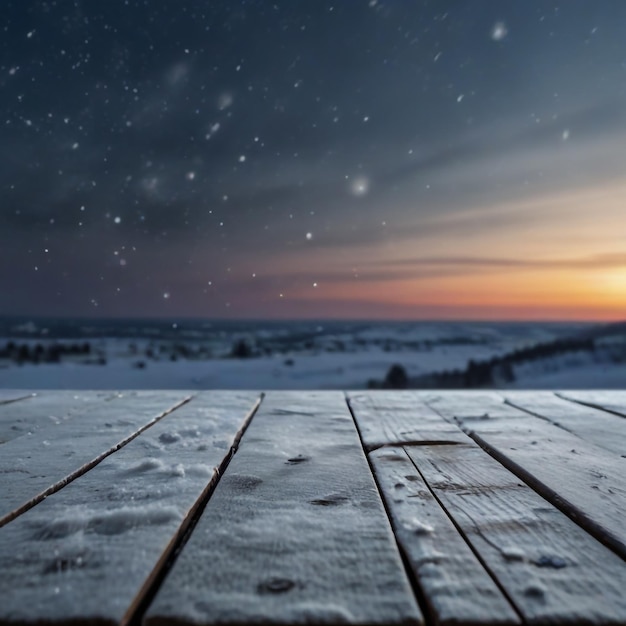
<point x="312" y="158"/>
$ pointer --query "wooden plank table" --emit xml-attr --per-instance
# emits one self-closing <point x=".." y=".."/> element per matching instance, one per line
<point x="369" y="508"/>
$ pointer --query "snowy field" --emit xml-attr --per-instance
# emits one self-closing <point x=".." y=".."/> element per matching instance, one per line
<point x="296" y="355"/>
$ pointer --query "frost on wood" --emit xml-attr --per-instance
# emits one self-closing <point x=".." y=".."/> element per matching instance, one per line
<point x="541" y="558"/>
<point x="388" y="418"/>
<point x="601" y="428"/>
<point x="457" y="586"/>
<point x="86" y="552"/>
<point x="582" y="479"/>
<point x="39" y="463"/>
<point x="295" y="532"/>
<point x="22" y="413"/>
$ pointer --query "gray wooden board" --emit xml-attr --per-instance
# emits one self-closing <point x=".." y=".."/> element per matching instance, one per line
<point x="598" y="427"/>
<point x="86" y="552"/>
<point x="14" y="395"/>
<point x="552" y="570"/>
<point x="295" y="532"/>
<point x="48" y="407"/>
<point x="580" y="478"/>
<point x="388" y="418"/>
<point x="35" y="465"/>
<point x="457" y="588"/>
<point x="614" y="401"/>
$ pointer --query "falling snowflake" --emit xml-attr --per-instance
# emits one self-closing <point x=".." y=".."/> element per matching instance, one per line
<point x="224" y="101"/>
<point x="359" y="186"/>
<point x="212" y="130"/>
<point x="499" y="31"/>
<point x="190" y="175"/>
<point x="118" y="220"/>
<point x="565" y="135"/>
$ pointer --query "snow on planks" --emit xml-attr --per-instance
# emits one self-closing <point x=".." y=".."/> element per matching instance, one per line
<point x="550" y="568"/>
<point x="583" y="480"/>
<point x="613" y="401"/>
<point x="9" y="395"/>
<point x="388" y="418"/>
<point x="295" y="532"/>
<point x="454" y="582"/>
<point x="598" y="427"/>
<point x="456" y="587"/>
<point x="34" y="466"/>
<point x="452" y="497"/>
<point x="92" y="552"/>
<point x="26" y="413"/>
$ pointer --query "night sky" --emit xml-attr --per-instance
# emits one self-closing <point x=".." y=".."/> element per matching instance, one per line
<point x="306" y="158"/>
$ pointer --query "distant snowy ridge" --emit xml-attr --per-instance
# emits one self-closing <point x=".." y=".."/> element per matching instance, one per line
<point x="135" y="354"/>
<point x="599" y="348"/>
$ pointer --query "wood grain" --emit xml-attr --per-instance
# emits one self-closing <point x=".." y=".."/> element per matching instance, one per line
<point x="551" y="569"/>
<point x="456" y="586"/>
<point x="92" y="552"/>
<point x="613" y="401"/>
<point x="581" y="479"/>
<point x="389" y="418"/>
<point x="295" y="532"/>
<point x="34" y="466"/>
<point x="595" y="426"/>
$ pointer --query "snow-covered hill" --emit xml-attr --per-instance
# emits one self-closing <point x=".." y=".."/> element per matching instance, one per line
<point x="310" y="355"/>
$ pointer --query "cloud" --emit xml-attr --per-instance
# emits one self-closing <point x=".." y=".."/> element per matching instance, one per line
<point x="599" y="261"/>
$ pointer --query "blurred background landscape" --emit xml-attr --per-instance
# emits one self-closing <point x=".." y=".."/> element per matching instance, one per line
<point x="102" y="354"/>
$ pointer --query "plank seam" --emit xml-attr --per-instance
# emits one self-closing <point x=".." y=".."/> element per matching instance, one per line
<point x="548" y="494"/>
<point x="420" y="596"/>
<point x="11" y="400"/>
<point x="140" y="604"/>
<point x="559" y="424"/>
<point x="544" y="418"/>
<point x="83" y="469"/>
<point x="551" y="496"/>
<point x="590" y="404"/>
<point x="409" y="442"/>
<point x="468" y="541"/>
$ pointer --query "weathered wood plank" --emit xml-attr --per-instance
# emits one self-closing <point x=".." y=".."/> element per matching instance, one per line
<point x="550" y="568"/>
<point x="388" y="418"/>
<point x="613" y="401"/>
<point x="91" y="552"/>
<point x="34" y="466"/>
<point x="13" y="395"/>
<point x="598" y="427"/>
<point x="18" y="418"/>
<point x="581" y="479"/>
<point x="295" y="532"/>
<point x="456" y="587"/>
